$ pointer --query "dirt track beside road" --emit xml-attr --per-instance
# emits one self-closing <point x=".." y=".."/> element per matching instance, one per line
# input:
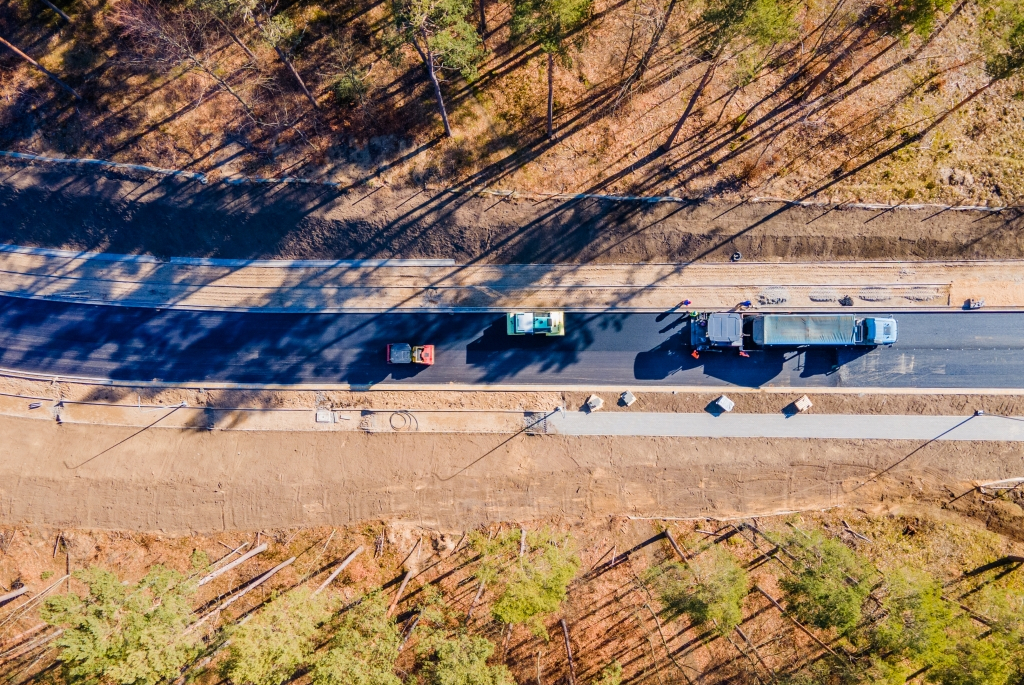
<point x="177" y="480"/>
<point x="174" y="218"/>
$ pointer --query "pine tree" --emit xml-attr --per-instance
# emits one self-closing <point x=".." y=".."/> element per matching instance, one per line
<point x="444" y="39"/>
<point x="278" y="640"/>
<point x="124" y="634"/>
<point x="707" y="589"/>
<point x="551" y="23"/>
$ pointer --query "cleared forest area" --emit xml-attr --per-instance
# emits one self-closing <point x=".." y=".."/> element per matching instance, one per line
<point x="907" y="100"/>
<point x="843" y="597"/>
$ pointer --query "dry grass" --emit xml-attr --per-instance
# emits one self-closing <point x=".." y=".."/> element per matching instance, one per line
<point x="612" y="611"/>
<point x="750" y="140"/>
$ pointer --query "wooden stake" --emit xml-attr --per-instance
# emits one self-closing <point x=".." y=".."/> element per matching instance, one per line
<point x="398" y="595"/>
<point x="337" y="571"/>
<point x="234" y="564"/>
<point x="568" y="652"/>
<point x="41" y="68"/>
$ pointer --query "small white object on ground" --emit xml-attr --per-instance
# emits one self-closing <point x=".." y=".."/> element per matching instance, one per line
<point x="594" y="403"/>
<point x="724" y="403"/>
<point x="628" y="398"/>
<point x="324" y="416"/>
<point x="803" y="404"/>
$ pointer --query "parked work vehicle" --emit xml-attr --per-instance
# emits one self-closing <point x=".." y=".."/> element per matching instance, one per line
<point x="718" y="330"/>
<point x="535" y="323"/>
<point x="404" y="353"/>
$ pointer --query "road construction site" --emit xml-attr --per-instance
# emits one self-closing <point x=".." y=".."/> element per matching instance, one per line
<point x="224" y="390"/>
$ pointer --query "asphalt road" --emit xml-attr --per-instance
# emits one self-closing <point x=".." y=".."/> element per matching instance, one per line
<point x="948" y="350"/>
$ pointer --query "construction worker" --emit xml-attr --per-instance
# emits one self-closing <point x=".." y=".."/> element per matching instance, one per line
<point x="695" y="355"/>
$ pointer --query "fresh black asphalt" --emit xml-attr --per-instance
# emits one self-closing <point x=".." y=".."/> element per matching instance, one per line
<point x="935" y="350"/>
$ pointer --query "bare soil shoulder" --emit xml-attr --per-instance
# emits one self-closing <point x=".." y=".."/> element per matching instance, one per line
<point x="113" y="213"/>
<point x="195" y="479"/>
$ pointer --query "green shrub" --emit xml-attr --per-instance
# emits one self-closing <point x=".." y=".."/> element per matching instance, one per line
<point x="461" y="659"/>
<point x="831" y="584"/>
<point x="124" y="634"/>
<point x="610" y="675"/>
<point x="977" y="662"/>
<point x="350" y="87"/>
<point x="707" y="589"/>
<point x="917" y="620"/>
<point x="268" y="649"/>
<point x="538" y="584"/>
<point x="363" y="648"/>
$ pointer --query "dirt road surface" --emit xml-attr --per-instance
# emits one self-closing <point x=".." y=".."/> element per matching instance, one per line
<point x="174" y="218"/>
<point x="176" y="480"/>
<point x="288" y="286"/>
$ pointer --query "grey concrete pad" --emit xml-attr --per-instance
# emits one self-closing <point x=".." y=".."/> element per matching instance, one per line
<point x="821" y="426"/>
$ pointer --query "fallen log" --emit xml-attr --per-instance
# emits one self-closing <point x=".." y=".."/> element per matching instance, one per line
<point x="337" y="571"/>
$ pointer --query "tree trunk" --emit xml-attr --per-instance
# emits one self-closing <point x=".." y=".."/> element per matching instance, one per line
<point x="41" y="68"/>
<point x="236" y="39"/>
<point x="58" y="10"/>
<point x="645" y="61"/>
<point x="437" y="93"/>
<point x="568" y="652"/>
<point x="843" y="54"/>
<point x="289" y="65"/>
<point x="693" y="100"/>
<point x="551" y="94"/>
<point x="483" y="21"/>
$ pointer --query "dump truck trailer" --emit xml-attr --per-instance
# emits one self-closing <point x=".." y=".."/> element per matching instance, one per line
<point x="721" y="330"/>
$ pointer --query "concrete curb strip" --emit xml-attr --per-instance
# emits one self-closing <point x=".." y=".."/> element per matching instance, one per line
<point x="979" y="428"/>
<point x="507" y="387"/>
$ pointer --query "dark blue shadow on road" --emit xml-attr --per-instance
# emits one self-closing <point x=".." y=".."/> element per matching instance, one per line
<point x="674" y="356"/>
<point x="503" y="356"/>
<point x="138" y="344"/>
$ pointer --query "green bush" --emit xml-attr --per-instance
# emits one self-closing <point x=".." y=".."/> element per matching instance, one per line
<point x="350" y="87"/>
<point x="124" y="634"/>
<point x="610" y="675"/>
<point x="707" y="589"/>
<point x="538" y="583"/>
<point x="363" y="648"/>
<point x="977" y="662"/>
<point x="832" y="582"/>
<point x="917" y="620"/>
<point x="268" y="649"/>
<point x="459" y="659"/>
